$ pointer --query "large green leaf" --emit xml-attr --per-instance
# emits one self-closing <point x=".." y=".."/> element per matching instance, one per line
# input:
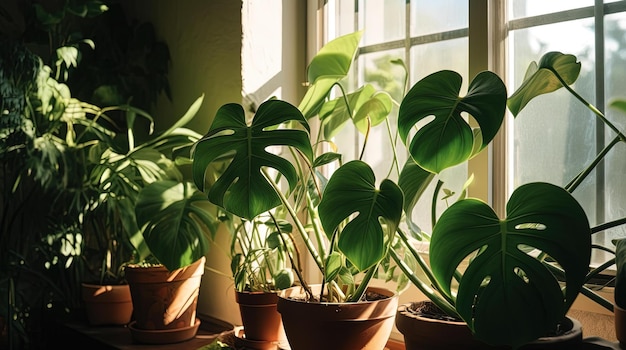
<point x="175" y="220"/>
<point x="413" y="181"/>
<point x="365" y="103"/>
<point x="542" y="78"/>
<point x="328" y="67"/>
<point x="448" y="139"/>
<point x="506" y="295"/>
<point x="243" y="189"/>
<point x="373" y="214"/>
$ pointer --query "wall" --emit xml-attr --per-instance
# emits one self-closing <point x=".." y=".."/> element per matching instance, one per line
<point x="226" y="49"/>
<point x="204" y="39"/>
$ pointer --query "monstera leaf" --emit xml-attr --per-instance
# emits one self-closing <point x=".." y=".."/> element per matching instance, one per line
<point x="175" y="222"/>
<point x="351" y="193"/>
<point x="368" y="106"/>
<point x="447" y="139"/>
<point x="330" y="65"/>
<point x="544" y="78"/>
<point x="243" y="189"/>
<point x="506" y="295"/>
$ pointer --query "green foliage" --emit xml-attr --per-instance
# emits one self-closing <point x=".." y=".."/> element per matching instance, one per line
<point x="448" y="139"/>
<point x="503" y="272"/>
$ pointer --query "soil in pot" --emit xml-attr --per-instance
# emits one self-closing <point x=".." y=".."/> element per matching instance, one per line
<point x="341" y="326"/>
<point x="107" y="304"/>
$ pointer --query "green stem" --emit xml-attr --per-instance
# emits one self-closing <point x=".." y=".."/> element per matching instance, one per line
<point x="570" y="187"/>
<point x="360" y="291"/>
<point x="432" y="281"/>
<point x="597" y="298"/>
<point x="433" y="213"/>
<point x="442" y="303"/>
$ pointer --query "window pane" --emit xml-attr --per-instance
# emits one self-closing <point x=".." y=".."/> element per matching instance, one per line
<point x="615" y="70"/>
<point x="556" y="122"/>
<point x="449" y="54"/>
<point x="428" y="17"/>
<point x="339" y="18"/>
<point x="383" y="20"/>
<point x="529" y="8"/>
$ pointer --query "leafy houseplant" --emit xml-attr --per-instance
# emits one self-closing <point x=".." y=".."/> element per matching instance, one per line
<point x="533" y="263"/>
<point x="523" y="257"/>
<point x="175" y="220"/>
<point x="288" y="186"/>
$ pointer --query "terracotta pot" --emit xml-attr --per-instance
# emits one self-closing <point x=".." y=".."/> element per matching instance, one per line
<point x="260" y="318"/>
<point x="427" y="333"/>
<point x="620" y="323"/>
<point x="342" y="326"/>
<point x="164" y="300"/>
<point x="107" y="304"/>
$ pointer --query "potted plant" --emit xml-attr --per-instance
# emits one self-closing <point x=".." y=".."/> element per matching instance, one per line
<point x="260" y="269"/>
<point x="289" y="186"/>
<point x="119" y="168"/>
<point x="524" y="271"/>
<point x="174" y="220"/>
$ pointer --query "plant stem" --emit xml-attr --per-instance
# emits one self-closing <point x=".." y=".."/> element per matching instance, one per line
<point x="445" y="305"/>
<point x="358" y="293"/>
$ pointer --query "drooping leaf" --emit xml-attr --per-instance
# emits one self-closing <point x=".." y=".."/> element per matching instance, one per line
<point x="447" y="139"/>
<point x="372" y="213"/>
<point x="328" y="67"/>
<point x="542" y="78"/>
<point x="242" y="189"/>
<point x="365" y="103"/>
<point x="175" y="220"/>
<point x="506" y="295"/>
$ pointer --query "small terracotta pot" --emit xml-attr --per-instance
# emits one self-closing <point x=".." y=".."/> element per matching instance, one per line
<point x="260" y="318"/>
<point x="341" y="326"/>
<point x="165" y="300"/>
<point x="107" y="304"/>
<point x="620" y="323"/>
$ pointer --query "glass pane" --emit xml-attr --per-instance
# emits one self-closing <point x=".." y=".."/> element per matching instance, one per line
<point x="430" y="58"/>
<point x="428" y="17"/>
<point x="339" y="18"/>
<point x="382" y="20"/>
<point x="553" y="134"/>
<point x="529" y="8"/>
<point x="615" y="85"/>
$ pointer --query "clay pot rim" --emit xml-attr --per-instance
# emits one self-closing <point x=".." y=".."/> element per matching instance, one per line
<point x="390" y="294"/>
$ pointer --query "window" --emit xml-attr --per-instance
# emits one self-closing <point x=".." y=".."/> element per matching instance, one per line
<point x="428" y="36"/>
<point x="434" y="35"/>
<point x="594" y="33"/>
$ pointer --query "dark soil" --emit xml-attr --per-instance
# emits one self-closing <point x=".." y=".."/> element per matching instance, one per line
<point x="368" y="296"/>
<point x="430" y="310"/>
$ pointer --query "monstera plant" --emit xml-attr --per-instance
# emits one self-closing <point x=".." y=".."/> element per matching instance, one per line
<point x="523" y="270"/>
<point x="259" y="180"/>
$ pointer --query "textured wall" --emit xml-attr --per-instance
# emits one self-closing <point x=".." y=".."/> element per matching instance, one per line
<point x="204" y="38"/>
<point x="226" y="49"/>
